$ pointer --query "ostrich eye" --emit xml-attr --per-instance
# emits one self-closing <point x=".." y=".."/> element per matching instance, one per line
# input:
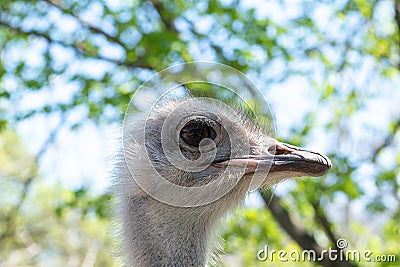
<point x="195" y="131"/>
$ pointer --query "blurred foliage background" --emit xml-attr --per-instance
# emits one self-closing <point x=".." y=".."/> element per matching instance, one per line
<point x="329" y="69"/>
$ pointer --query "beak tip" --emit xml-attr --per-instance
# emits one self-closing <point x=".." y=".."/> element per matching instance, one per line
<point x="322" y="169"/>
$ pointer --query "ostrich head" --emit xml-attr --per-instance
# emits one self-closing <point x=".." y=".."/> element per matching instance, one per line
<point x="184" y="165"/>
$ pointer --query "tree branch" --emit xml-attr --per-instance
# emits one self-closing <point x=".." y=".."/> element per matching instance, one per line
<point x="324" y="222"/>
<point x="387" y="141"/>
<point x="10" y="218"/>
<point x="397" y="19"/>
<point x="305" y="240"/>
<point x="166" y="20"/>
<point x="79" y="49"/>
<point x="87" y="25"/>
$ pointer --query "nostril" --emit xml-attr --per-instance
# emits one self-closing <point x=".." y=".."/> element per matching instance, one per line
<point x="282" y="152"/>
<point x="278" y="150"/>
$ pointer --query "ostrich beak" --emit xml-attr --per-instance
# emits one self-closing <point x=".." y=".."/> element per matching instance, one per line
<point x="281" y="158"/>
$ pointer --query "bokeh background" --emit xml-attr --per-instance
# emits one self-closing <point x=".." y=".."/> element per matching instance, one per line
<point x="329" y="69"/>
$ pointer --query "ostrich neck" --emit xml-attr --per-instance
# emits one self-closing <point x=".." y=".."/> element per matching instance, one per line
<point x="160" y="235"/>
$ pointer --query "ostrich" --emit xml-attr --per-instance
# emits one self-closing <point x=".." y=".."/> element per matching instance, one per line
<point x="158" y="233"/>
